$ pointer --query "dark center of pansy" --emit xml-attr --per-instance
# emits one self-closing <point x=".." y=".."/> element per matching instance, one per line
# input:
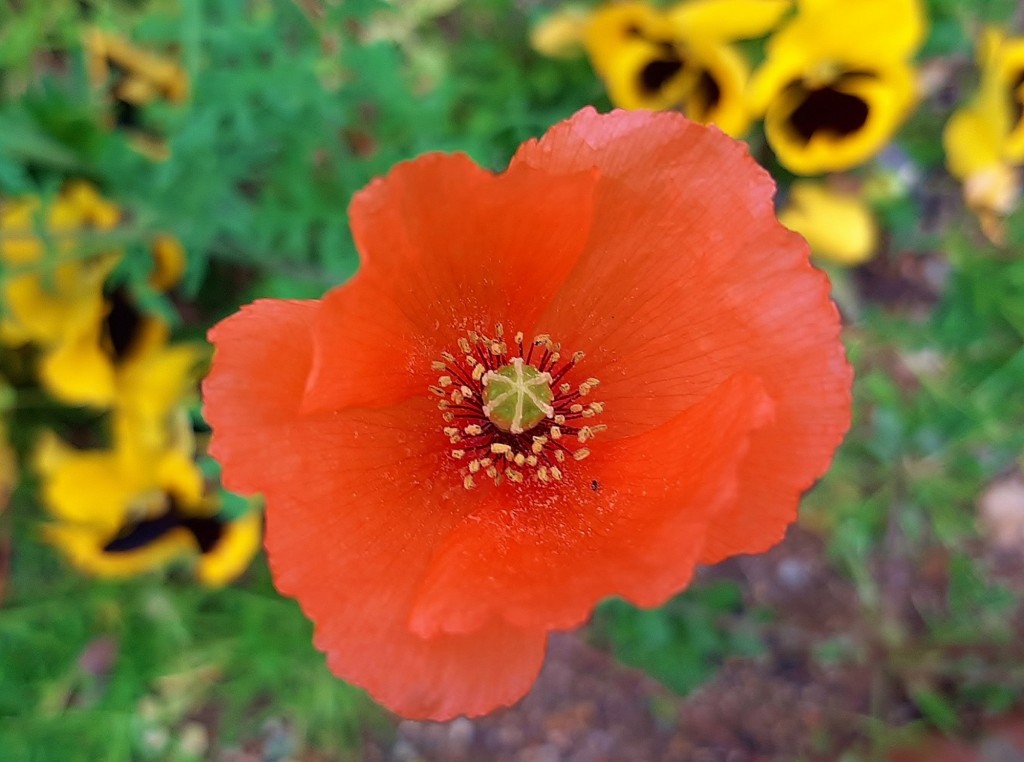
<point x="828" y="110"/>
<point x="1017" y="98"/>
<point x="656" y="74"/>
<point x="510" y="412"/>
<point x="123" y="324"/>
<point x="706" y="96"/>
<point x="140" y="533"/>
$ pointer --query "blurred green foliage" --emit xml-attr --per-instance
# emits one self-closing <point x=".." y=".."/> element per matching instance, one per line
<point x="685" y="641"/>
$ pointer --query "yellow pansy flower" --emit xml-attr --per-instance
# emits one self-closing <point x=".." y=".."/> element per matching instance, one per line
<point x="95" y="349"/>
<point x="121" y="359"/>
<point x="984" y="139"/>
<point x="837" y="81"/>
<point x="838" y="226"/>
<point x="633" y="47"/>
<point x="219" y="549"/>
<point x="104" y="489"/>
<point x="53" y="284"/>
<point x="680" y="57"/>
<point x="132" y="77"/>
<point x="129" y="510"/>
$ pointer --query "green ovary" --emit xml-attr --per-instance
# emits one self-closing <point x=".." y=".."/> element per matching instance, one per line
<point x="517" y="396"/>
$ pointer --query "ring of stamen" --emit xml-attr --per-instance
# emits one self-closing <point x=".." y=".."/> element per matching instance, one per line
<point x="510" y="412"/>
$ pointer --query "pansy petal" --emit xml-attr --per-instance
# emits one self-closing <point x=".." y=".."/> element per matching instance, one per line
<point x="234" y="551"/>
<point x="90" y="489"/>
<point x="446" y="247"/>
<point x="77" y="372"/>
<point x="838" y="224"/>
<point x="866" y="32"/>
<point x="613" y="26"/>
<point x="727" y="20"/>
<point x="356" y="503"/>
<point x="718" y="96"/>
<point x="628" y="521"/>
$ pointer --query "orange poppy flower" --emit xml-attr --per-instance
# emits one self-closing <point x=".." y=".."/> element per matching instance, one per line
<point x="577" y="378"/>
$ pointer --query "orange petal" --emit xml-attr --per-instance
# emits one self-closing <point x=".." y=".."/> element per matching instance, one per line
<point x="351" y="527"/>
<point x="357" y="502"/>
<point x="262" y="359"/>
<point x="630" y="521"/>
<point x="446" y="247"/>
<point x="699" y="282"/>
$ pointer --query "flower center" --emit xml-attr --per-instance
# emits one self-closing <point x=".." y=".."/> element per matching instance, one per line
<point x="510" y="412"/>
<point x="517" y="396"/>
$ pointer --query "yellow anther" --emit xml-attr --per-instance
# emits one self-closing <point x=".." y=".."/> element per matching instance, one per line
<point x="458" y="454"/>
<point x="581" y="453"/>
<point x="500" y="449"/>
<point x="445" y="381"/>
<point x="468" y="482"/>
<point x="474" y="466"/>
<point x="473" y="430"/>
<point x="556" y="473"/>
